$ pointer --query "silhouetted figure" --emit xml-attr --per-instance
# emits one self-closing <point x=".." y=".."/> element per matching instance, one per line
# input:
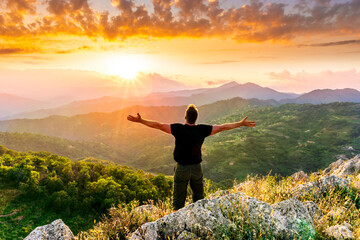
<point x="189" y="138"/>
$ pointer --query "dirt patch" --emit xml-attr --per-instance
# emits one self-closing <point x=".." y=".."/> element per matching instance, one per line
<point x="10" y="214"/>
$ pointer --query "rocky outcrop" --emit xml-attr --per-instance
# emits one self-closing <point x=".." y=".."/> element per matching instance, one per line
<point x="317" y="188"/>
<point x="340" y="232"/>
<point x="336" y="213"/>
<point x="313" y="209"/>
<point x="299" y="223"/>
<point x="343" y="168"/>
<point x="300" y="176"/>
<point x="57" y="230"/>
<point x="288" y="219"/>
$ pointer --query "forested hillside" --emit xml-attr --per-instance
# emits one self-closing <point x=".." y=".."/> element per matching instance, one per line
<point x="38" y="187"/>
<point x="287" y="138"/>
<point x="73" y="149"/>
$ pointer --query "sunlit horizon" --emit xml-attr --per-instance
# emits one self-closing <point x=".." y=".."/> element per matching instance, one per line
<point x="289" y="46"/>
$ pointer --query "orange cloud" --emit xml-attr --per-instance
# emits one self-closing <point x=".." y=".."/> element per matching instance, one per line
<point x="11" y="50"/>
<point x="254" y="21"/>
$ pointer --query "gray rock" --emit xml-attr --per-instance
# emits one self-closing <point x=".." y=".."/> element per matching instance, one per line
<point x="258" y="212"/>
<point x="202" y="217"/>
<point x="339" y="232"/>
<point x="298" y="220"/>
<point x="319" y="187"/>
<point x="57" y="230"/>
<point x="343" y="168"/>
<point x="313" y="209"/>
<point x="300" y="176"/>
<point x="347" y="225"/>
<point x="146" y="208"/>
<point x="186" y="235"/>
<point x="336" y="213"/>
<point x="288" y="219"/>
<point x="146" y="231"/>
<point x="333" y="166"/>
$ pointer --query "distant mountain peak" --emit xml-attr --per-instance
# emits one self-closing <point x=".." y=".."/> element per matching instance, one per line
<point x="319" y="96"/>
<point x="251" y="84"/>
<point x="230" y="84"/>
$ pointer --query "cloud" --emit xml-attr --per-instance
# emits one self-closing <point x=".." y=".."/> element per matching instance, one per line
<point x="255" y="21"/>
<point x="17" y="50"/>
<point x="338" y="43"/>
<point x="305" y="81"/>
<point x="220" y="62"/>
<point x="212" y="83"/>
<point x="64" y="52"/>
<point x="11" y="50"/>
<point x="22" y="5"/>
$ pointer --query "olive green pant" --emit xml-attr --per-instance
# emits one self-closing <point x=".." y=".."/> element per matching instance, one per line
<point x="184" y="174"/>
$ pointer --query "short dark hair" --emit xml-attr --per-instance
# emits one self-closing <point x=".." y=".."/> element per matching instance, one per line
<point x="191" y="114"/>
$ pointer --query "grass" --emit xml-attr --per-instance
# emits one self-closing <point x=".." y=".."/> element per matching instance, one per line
<point x="125" y="219"/>
<point x="338" y="206"/>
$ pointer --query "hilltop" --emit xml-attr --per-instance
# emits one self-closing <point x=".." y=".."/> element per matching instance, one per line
<point x="319" y="205"/>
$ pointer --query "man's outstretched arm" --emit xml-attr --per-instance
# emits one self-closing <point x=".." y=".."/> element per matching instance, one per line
<point x="229" y="126"/>
<point x="153" y="124"/>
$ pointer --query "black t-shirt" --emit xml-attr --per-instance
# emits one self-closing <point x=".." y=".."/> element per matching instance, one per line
<point x="188" y="142"/>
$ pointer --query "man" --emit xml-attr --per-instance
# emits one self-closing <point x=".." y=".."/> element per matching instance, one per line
<point x="189" y="138"/>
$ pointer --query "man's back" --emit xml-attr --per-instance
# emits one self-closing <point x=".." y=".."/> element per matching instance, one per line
<point x="188" y="142"/>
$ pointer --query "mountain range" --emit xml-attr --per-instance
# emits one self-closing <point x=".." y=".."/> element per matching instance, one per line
<point x="12" y="104"/>
<point x="15" y="108"/>
<point x="199" y="96"/>
<point x="320" y="96"/>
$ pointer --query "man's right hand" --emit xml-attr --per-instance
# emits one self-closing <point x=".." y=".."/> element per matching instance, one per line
<point x="246" y="123"/>
<point x="134" y="119"/>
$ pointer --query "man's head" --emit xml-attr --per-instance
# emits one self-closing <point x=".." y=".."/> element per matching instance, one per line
<point x="191" y="114"/>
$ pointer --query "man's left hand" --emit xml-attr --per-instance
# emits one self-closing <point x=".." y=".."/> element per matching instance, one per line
<point x="134" y="119"/>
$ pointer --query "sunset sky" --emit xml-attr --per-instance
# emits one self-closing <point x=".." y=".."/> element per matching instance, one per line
<point x="291" y="46"/>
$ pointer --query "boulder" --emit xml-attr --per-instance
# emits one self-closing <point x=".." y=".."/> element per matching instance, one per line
<point x="317" y="188"/>
<point x="202" y="216"/>
<point x="337" y="213"/>
<point x="343" y="168"/>
<point x="146" y="208"/>
<point x="186" y="235"/>
<point x="288" y="219"/>
<point x="300" y="176"/>
<point x="333" y="166"/>
<point x="57" y="230"/>
<point x="339" y="232"/>
<point x="313" y="209"/>
<point x="298" y="220"/>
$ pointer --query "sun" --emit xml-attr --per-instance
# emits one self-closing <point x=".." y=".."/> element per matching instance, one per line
<point x="126" y="66"/>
